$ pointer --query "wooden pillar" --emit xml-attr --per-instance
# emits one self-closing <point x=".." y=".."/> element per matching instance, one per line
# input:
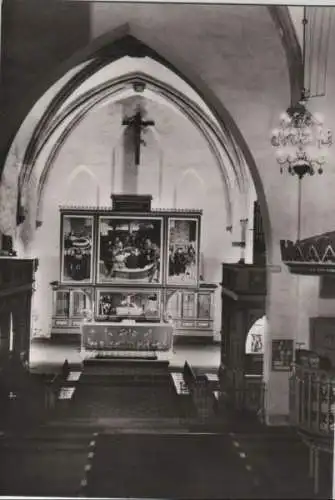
<point x="21" y="325"/>
<point x="4" y="332"/>
<point x="233" y="349"/>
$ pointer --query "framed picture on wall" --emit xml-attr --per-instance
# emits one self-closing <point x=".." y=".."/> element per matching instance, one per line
<point x="130" y="304"/>
<point x="282" y="355"/>
<point x="183" y="252"/>
<point x="76" y="248"/>
<point x="129" y="250"/>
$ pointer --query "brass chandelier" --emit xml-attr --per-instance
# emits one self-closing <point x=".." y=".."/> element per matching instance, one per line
<point x="301" y="139"/>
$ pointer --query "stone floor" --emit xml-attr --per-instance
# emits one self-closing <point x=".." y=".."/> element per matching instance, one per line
<point x="47" y="356"/>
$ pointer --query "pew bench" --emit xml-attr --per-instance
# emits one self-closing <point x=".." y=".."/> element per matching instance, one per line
<point x="179" y="384"/>
<point x="189" y="375"/>
<point x="213" y="381"/>
<point x="66" y="393"/>
<point x="212" y="377"/>
<point x="220" y="402"/>
<point x="73" y="377"/>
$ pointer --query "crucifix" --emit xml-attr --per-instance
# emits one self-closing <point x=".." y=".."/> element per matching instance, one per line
<point x="137" y="125"/>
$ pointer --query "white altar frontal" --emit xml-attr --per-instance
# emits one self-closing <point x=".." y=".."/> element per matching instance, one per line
<point x="127" y="336"/>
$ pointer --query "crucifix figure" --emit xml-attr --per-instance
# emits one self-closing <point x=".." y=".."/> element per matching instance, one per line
<point x="136" y="124"/>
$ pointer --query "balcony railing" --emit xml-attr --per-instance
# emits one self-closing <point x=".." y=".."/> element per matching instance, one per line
<point x="312" y="406"/>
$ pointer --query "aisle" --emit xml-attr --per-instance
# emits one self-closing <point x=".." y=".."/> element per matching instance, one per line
<point x="168" y="466"/>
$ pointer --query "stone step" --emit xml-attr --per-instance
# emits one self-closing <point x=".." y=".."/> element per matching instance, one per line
<point x="110" y="422"/>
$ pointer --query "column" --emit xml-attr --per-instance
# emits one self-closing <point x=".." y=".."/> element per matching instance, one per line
<point x="279" y="343"/>
<point x="4" y="332"/>
<point x="21" y="325"/>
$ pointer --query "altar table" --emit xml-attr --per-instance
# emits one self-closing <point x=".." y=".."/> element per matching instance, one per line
<point x="127" y="337"/>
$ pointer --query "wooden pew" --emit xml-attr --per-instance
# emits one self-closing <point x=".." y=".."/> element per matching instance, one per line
<point x="179" y="383"/>
<point x="73" y="376"/>
<point x="213" y="381"/>
<point x="66" y="393"/>
<point x="184" y="399"/>
<point x="189" y="375"/>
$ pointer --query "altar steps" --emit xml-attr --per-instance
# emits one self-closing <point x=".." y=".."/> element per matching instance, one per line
<point x="125" y="380"/>
<point x="124" y="372"/>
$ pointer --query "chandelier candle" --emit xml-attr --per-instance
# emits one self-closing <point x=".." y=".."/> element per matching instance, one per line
<point x="301" y="141"/>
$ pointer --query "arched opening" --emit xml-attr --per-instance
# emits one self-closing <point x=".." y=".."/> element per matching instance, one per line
<point x="256" y="337"/>
<point x="195" y="155"/>
<point x="82" y="136"/>
<point x="82" y="179"/>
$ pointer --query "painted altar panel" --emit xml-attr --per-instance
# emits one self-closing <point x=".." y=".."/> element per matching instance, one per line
<point x="183" y="252"/>
<point x="124" y="303"/>
<point x="126" y="337"/>
<point x="129" y="250"/>
<point x="76" y="249"/>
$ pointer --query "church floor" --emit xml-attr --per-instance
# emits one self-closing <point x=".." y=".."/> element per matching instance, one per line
<point x="131" y="440"/>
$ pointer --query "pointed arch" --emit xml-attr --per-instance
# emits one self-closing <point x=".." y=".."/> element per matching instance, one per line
<point x="79" y="170"/>
<point x="79" y="108"/>
<point x="192" y="172"/>
<point x="123" y="41"/>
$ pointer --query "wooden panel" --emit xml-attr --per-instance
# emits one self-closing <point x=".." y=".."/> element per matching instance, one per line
<point x="246" y="279"/>
<point x="322" y="337"/>
<point x="16" y="272"/>
<point x="327" y="287"/>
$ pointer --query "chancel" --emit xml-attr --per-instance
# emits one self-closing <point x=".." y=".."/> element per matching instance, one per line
<point x="167" y="250"/>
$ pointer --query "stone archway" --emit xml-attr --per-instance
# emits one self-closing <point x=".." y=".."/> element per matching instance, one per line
<point x="189" y="73"/>
<point x="129" y="44"/>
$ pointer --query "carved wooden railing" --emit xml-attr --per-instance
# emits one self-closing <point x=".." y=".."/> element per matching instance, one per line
<point x="312" y="406"/>
<point x="312" y="401"/>
<point x="245" y="391"/>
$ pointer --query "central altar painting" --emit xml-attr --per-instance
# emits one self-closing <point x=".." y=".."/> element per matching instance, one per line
<point x="130" y="250"/>
<point x="121" y="264"/>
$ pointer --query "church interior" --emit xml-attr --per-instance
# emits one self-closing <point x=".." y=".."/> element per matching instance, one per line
<point x="167" y="251"/>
